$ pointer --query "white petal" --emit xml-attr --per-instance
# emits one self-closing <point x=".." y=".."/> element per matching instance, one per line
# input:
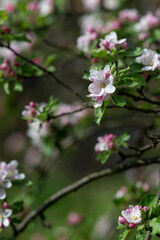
<point x="21" y="176"/>
<point x="7" y="213"/>
<point x="2" y="193"/>
<point x="7" y="183"/>
<point x="6" y="222"/>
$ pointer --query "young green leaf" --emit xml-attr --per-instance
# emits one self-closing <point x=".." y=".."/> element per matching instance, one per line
<point x="149" y="200"/>
<point x="99" y="112"/>
<point x="155" y="225"/>
<point x="133" y="52"/>
<point x="118" y="100"/>
<point x="123" y="235"/>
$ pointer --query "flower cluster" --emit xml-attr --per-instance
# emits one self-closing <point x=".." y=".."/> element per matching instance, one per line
<point x="43" y="7"/>
<point x="150" y="59"/>
<point x="8" y="69"/>
<point x="5" y="215"/>
<point x="147" y="22"/>
<point x="70" y="119"/>
<point x="111" y="41"/>
<point x="101" y="86"/>
<point x="128" y="15"/>
<point x="132" y="216"/>
<point x="105" y="143"/>
<point x="30" y="111"/>
<point x="8" y="173"/>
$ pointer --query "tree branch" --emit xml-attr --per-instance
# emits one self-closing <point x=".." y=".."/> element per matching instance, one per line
<point x="77" y="185"/>
<point x="44" y="70"/>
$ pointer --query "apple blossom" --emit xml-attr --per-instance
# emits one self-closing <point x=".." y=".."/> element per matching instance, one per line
<point x="133" y="215"/>
<point x="150" y="59"/>
<point x="121" y="192"/>
<point x="91" y="4"/>
<point x="4" y="217"/>
<point x="101" y="86"/>
<point x="37" y="131"/>
<point x="91" y="21"/>
<point x="13" y="173"/>
<point x="30" y="111"/>
<point x="112" y="25"/>
<point x="128" y="15"/>
<point x="147" y="22"/>
<point x="46" y="7"/>
<point x="105" y="143"/>
<point x="111" y="41"/>
<point x="71" y="119"/>
<point x="111" y="4"/>
<point x="83" y="42"/>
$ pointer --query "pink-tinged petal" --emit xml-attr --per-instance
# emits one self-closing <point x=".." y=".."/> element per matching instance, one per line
<point x="7" y="213"/>
<point x="7" y="183"/>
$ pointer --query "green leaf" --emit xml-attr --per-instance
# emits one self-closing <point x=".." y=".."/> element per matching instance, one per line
<point x="136" y="67"/>
<point x="122" y="139"/>
<point x="17" y="207"/>
<point x="127" y="83"/>
<point x="155" y="225"/>
<point x="135" y="77"/>
<point x="103" y="157"/>
<point x="120" y="226"/>
<point x="20" y="37"/>
<point x="3" y="16"/>
<point x="139" y="236"/>
<point x="149" y="200"/>
<point x="124" y="234"/>
<point x="51" y="68"/>
<point x="99" y="112"/>
<point x="18" y="87"/>
<point x="6" y="87"/>
<point x="86" y="75"/>
<point x="51" y="58"/>
<point x="118" y="100"/>
<point x="133" y="52"/>
<point x="22" y="183"/>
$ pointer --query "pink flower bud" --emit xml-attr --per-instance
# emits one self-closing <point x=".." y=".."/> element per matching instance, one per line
<point x="94" y="60"/>
<point x="74" y="218"/>
<point x="140" y="208"/>
<point x="6" y="29"/>
<point x="111" y="145"/>
<point x="132" y="225"/>
<point x="146" y="208"/>
<point x="16" y="64"/>
<point x="12" y="74"/>
<point x="124" y="45"/>
<point x="122" y="220"/>
<point x="6" y="205"/>
<point x="32" y="104"/>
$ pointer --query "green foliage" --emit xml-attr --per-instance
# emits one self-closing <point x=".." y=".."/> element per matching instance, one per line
<point x="17" y="207"/>
<point x="118" y="100"/>
<point x="155" y="225"/>
<point x="133" y="52"/>
<point x="149" y="200"/>
<point x="139" y="236"/>
<point x="120" y="226"/>
<point x="134" y="77"/>
<point x="3" y="16"/>
<point x="122" y="139"/>
<point x="86" y="75"/>
<point x="18" y="87"/>
<point x="22" y="183"/>
<point x="103" y="157"/>
<point x="99" y="112"/>
<point x="123" y="235"/>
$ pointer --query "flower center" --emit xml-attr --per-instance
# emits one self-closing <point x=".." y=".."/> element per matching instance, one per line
<point x="150" y="64"/>
<point x="102" y="85"/>
<point x="10" y="173"/>
<point x="134" y="217"/>
<point x="1" y="216"/>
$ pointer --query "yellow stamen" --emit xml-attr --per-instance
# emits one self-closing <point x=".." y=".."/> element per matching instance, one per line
<point x="102" y="85"/>
<point x="10" y="173"/>
<point x="1" y="216"/>
<point x="150" y="64"/>
<point x="134" y="218"/>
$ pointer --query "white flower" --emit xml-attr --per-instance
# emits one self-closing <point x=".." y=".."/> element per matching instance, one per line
<point x="13" y="172"/>
<point x="111" y="41"/>
<point x="36" y="132"/>
<point x="111" y="4"/>
<point x="4" y="182"/>
<point x="46" y="7"/>
<point x="83" y="42"/>
<point x="91" y="4"/>
<point x="148" y="58"/>
<point x="147" y="22"/>
<point x="132" y="215"/>
<point x="102" y="82"/>
<point x="4" y="217"/>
